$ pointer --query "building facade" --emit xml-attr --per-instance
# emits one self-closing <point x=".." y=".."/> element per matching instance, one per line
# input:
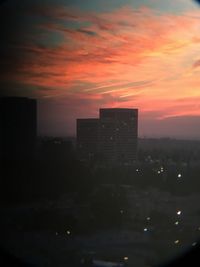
<point x="118" y="134"/>
<point x="112" y="137"/>
<point x="18" y="127"/>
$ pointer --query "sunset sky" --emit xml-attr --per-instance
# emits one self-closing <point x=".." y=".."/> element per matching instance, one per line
<point x="76" y="56"/>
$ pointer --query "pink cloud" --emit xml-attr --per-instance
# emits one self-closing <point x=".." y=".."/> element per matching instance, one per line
<point x="122" y="47"/>
<point x="196" y="64"/>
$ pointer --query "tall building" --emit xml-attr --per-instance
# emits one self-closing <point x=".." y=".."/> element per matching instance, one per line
<point x="118" y="134"/>
<point x="18" y="127"/>
<point x="112" y="137"/>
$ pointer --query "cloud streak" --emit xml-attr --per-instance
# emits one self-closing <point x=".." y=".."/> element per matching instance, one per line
<point x="125" y="57"/>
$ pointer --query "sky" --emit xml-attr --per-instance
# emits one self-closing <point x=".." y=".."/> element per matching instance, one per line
<point x="76" y="56"/>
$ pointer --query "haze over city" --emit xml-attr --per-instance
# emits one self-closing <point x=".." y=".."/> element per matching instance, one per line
<point x="78" y="56"/>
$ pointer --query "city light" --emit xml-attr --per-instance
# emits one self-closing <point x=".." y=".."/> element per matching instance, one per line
<point x="176" y="223"/>
<point x="125" y="258"/>
<point x="68" y="232"/>
<point x="179" y="175"/>
<point x="179" y="212"/>
<point x="176" y="242"/>
<point x="145" y="229"/>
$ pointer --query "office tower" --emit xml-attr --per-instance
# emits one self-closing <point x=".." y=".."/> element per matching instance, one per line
<point x="18" y="127"/>
<point x="112" y="137"/>
<point x="118" y="132"/>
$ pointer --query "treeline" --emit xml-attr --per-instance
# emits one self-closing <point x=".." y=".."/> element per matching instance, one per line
<point x="166" y="148"/>
<point x="34" y="179"/>
<point x="56" y="170"/>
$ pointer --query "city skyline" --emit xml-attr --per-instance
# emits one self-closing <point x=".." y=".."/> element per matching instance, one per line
<point x="76" y="57"/>
<point x="112" y="137"/>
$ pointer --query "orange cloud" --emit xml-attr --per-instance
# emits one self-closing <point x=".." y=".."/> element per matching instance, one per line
<point x="127" y="57"/>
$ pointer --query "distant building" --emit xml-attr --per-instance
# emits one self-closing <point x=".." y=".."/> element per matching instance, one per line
<point x="87" y="138"/>
<point x="18" y="127"/>
<point x="112" y="137"/>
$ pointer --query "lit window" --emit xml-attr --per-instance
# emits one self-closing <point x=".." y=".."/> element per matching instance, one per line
<point x="176" y="242"/>
<point x="179" y="212"/>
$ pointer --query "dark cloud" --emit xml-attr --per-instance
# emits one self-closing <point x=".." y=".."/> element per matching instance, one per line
<point x="12" y="88"/>
<point x="196" y="64"/>
<point x="16" y="30"/>
<point x="87" y="32"/>
<point x="197" y="1"/>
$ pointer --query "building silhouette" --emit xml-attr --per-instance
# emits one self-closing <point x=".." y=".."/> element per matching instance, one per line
<point x="87" y="138"/>
<point x="112" y="137"/>
<point x="18" y="127"/>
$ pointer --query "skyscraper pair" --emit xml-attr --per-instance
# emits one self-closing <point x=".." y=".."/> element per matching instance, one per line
<point x="112" y="137"/>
